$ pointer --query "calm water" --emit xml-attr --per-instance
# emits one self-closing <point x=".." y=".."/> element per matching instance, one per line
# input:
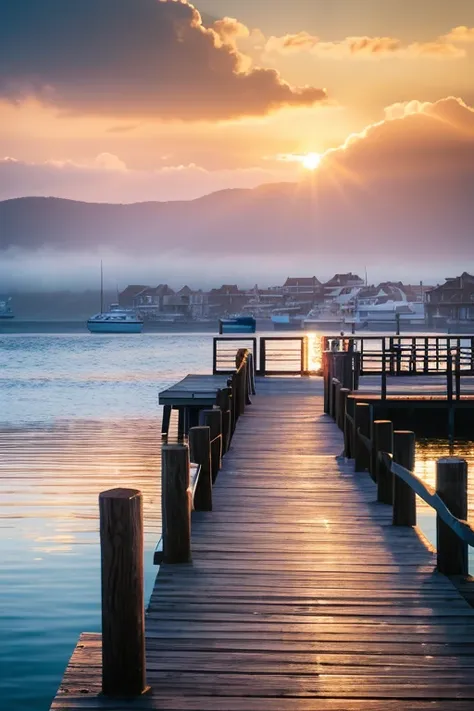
<point x="78" y="415"/>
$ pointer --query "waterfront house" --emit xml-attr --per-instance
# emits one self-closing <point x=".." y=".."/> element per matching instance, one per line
<point x="452" y="302"/>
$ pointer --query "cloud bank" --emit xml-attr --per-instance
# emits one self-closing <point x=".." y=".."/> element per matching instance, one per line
<point x="140" y="58"/>
<point x="364" y="47"/>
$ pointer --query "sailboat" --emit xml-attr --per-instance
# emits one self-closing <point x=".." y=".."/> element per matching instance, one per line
<point x="117" y="319"/>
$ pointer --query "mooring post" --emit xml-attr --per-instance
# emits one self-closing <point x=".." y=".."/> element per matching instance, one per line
<point x="213" y="420"/>
<point x="223" y="401"/>
<point x="123" y="609"/>
<point x="362" y="424"/>
<point x="175" y="503"/>
<point x="383" y="442"/>
<point x="200" y="453"/>
<point x="404" y="499"/>
<point x="451" y="487"/>
<point x="341" y="407"/>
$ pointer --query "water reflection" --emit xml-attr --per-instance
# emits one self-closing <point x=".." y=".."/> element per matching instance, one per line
<point x="50" y="479"/>
<point x="427" y="453"/>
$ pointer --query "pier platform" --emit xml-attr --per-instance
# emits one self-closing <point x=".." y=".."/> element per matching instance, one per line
<point x="301" y="595"/>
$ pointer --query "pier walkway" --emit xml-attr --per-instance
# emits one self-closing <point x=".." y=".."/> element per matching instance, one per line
<point x="301" y="595"/>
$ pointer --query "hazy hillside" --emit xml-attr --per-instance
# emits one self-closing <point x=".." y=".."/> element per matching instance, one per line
<point x="309" y="217"/>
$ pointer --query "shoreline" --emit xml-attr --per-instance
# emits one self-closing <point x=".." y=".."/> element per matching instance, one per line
<point x="32" y="326"/>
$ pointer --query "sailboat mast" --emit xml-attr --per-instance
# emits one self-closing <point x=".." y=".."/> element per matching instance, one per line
<point x="101" y="288"/>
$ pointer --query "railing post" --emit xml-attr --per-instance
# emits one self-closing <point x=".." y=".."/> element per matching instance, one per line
<point x="383" y="442"/>
<point x="263" y="358"/>
<point x="362" y="423"/>
<point x="404" y="498"/>
<point x="200" y="453"/>
<point x="451" y="487"/>
<point x="123" y="609"/>
<point x="213" y="420"/>
<point x="384" y="372"/>
<point x="176" y="503"/>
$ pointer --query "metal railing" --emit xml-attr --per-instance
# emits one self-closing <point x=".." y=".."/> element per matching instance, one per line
<point x="272" y="355"/>
<point x="408" y="355"/>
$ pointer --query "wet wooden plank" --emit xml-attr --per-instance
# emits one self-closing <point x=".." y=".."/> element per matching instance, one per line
<point x="301" y="595"/>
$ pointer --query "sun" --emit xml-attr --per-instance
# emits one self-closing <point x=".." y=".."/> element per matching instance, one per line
<point x="311" y="161"/>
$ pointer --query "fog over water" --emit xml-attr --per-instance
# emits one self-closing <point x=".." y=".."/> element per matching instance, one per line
<point x="48" y="270"/>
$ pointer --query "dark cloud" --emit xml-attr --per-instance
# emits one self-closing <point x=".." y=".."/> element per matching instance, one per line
<point x="133" y="58"/>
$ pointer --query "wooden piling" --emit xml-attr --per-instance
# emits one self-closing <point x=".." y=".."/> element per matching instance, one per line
<point x="176" y="503"/>
<point x="404" y="499"/>
<point x="383" y="442"/>
<point x="341" y="407"/>
<point x="200" y="453"/>
<point x="451" y="487"/>
<point x="362" y="424"/>
<point x="213" y="420"/>
<point x="123" y="610"/>
<point x="335" y="409"/>
<point x="223" y="401"/>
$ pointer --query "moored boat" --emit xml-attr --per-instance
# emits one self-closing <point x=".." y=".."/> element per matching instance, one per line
<point x="237" y="324"/>
<point x="116" y="320"/>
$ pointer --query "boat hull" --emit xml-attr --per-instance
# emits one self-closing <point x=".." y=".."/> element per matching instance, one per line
<point x="239" y="324"/>
<point x="115" y="327"/>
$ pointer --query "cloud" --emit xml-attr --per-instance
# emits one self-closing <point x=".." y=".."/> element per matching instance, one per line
<point x="140" y="58"/>
<point x="363" y="47"/>
<point x="108" y="179"/>
<point x="460" y="35"/>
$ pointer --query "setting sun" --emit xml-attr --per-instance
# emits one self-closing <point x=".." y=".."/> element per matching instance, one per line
<point x="311" y="161"/>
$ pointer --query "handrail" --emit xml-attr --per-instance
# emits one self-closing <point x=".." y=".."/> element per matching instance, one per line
<point x="461" y="528"/>
<point x="195" y="471"/>
<point x="366" y="441"/>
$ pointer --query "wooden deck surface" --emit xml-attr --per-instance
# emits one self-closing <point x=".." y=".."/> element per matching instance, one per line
<point x="198" y="390"/>
<point x="301" y="595"/>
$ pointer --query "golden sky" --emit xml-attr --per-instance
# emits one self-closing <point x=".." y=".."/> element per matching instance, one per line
<point x="124" y="100"/>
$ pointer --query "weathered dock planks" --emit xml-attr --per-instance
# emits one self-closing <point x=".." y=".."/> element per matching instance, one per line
<point x="300" y="593"/>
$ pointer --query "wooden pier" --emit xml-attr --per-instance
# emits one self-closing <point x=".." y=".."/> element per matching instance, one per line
<point x="301" y="594"/>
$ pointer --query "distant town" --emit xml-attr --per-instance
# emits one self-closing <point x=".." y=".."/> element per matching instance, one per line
<point x="345" y="301"/>
<point x="306" y="301"/>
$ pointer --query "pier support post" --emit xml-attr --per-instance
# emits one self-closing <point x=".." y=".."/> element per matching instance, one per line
<point x="404" y="498"/>
<point x="451" y="487"/>
<point x="176" y="503"/>
<point x="200" y="453"/>
<point x="213" y="420"/>
<point x="362" y="423"/>
<point x="123" y="609"/>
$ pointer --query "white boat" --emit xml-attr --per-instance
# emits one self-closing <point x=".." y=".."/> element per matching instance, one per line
<point x="411" y="312"/>
<point x="117" y="319"/>
<point x="323" y="316"/>
<point x="6" y="309"/>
